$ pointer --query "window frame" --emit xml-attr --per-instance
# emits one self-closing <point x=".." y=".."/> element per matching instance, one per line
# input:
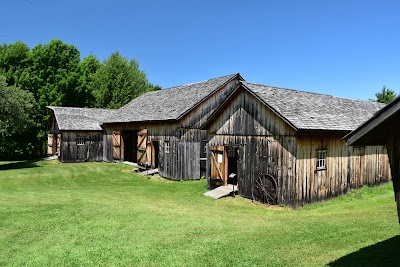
<point x="80" y="141"/>
<point x="167" y="147"/>
<point x="321" y="159"/>
<point x="204" y="146"/>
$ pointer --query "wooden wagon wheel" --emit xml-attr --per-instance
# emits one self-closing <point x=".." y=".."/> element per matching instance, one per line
<point x="264" y="189"/>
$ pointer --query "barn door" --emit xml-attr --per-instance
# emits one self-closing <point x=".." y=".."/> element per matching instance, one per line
<point x="116" y="141"/>
<point x="141" y="146"/>
<point x="50" y="145"/>
<point x="81" y="148"/>
<point x="231" y="165"/>
<point x="217" y="166"/>
<point x="155" y="148"/>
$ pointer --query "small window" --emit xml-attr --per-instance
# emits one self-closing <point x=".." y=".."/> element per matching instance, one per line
<point x="321" y="159"/>
<point x="80" y="141"/>
<point x="167" y="147"/>
<point x="204" y="146"/>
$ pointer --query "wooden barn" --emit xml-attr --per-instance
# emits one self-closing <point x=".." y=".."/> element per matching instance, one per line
<point x="383" y="129"/>
<point x="286" y="147"/>
<point x="162" y="128"/>
<point x="277" y="145"/>
<point x="75" y="133"/>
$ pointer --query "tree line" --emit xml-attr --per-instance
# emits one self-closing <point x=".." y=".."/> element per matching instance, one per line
<point x="53" y="74"/>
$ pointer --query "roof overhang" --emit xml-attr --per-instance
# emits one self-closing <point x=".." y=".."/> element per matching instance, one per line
<point x="376" y="130"/>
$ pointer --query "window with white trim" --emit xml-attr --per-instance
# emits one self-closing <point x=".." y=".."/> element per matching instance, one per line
<point x="321" y="159"/>
<point x="80" y="141"/>
<point x="167" y="147"/>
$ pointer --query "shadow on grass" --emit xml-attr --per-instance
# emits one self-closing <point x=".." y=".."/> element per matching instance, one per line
<point x="385" y="253"/>
<point x="19" y="165"/>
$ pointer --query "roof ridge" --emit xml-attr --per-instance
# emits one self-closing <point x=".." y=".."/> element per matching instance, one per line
<point x="169" y="88"/>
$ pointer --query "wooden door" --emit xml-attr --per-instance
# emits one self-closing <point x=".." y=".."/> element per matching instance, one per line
<point x="116" y="141"/>
<point x="81" y="149"/>
<point x="141" y="146"/>
<point x="50" y="145"/>
<point x="155" y="154"/>
<point x="217" y="165"/>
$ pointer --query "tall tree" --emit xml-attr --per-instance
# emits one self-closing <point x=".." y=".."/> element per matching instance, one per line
<point x="53" y="78"/>
<point x="55" y="73"/>
<point x="385" y="96"/>
<point x="14" y="59"/>
<point x="16" y="121"/>
<point x="118" y="81"/>
<point x="88" y="68"/>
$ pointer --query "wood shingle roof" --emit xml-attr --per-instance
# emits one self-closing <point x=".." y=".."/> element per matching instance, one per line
<point x="313" y="111"/>
<point x="168" y="104"/>
<point x="80" y="119"/>
<point x="302" y="110"/>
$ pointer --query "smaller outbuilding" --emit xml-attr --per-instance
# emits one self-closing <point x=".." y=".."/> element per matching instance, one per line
<point x="383" y="129"/>
<point x="75" y="133"/>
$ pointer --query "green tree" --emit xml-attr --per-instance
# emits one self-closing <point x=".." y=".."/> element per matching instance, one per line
<point x="54" y="74"/>
<point x="14" y="59"/>
<point x="16" y="121"/>
<point x="385" y="96"/>
<point x="118" y="81"/>
<point x="88" y="68"/>
<point x="53" y="77"/>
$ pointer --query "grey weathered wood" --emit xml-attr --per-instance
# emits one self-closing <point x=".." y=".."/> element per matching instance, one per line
<point x="92" y="150"/>
<point x="149" y="172"/>
<point x="268" y="145"/>
<point x="221" y="191"/>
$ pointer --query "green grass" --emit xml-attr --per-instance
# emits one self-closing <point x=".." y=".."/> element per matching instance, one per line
<point x="91" y="214"/>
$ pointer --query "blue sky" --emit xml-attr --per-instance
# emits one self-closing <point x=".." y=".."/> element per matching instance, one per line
<point x="343" y="48"/>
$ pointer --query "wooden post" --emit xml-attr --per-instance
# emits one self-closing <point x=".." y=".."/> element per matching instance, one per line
<point x="394" y="157"/>
<point x="396" y="188"/>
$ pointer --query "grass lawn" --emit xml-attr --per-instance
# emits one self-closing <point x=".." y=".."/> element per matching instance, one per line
<point x="91" y="214"/>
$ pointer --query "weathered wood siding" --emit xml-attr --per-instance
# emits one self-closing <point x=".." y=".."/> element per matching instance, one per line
<point x="183" y="160"/>
<point x="266" y="145"/>
<point x="257" y="156"/>
<point x="183" y="136"/>
<point x="369" y="165"/>
<point x="346" y="167"/>
<point x="91" y="150"/>
<point x="200" y="114"/>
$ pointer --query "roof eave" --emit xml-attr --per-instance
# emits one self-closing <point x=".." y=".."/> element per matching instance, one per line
<point x="144" y="121"/>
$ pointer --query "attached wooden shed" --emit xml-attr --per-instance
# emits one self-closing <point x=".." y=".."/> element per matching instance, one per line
<point x="75" y="133"/>
<point x="285" y="146"/>
<point x="162" y="128"/>
<point x="383" y="129"/>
